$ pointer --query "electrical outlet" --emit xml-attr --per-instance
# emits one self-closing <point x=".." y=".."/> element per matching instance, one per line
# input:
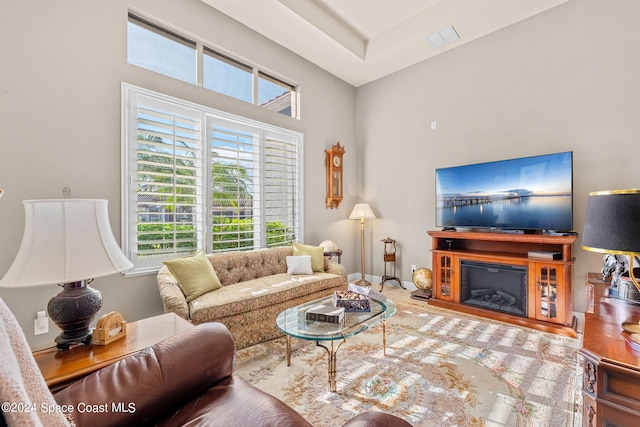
<point x="413" y="268"/>
<point x="41" y="323"/>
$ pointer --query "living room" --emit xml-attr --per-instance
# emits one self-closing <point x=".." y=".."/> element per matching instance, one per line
<point x="559" y="81"/>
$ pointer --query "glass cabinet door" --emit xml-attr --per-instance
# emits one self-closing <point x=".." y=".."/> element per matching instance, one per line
<point x="547" y="292"/>
<point x="445" y="277"/>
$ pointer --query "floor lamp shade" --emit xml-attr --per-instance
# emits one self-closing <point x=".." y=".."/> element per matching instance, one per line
<point x="70" y="242"/>
<point x="362" y="211"/>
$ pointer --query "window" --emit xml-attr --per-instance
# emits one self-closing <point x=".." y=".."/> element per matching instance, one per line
<point x="196" y="178"/>
<point x="226" y="76"/>
<point x="275" y="95"/>
<point x="159" y="50"/>
<point x="154" y="48"/>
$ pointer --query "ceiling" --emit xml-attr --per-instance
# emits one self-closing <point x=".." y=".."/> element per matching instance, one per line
<point x="362" y="40"/>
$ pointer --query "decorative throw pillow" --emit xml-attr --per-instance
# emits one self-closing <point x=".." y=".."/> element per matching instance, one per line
<point x="299" y="264"/>
<point x="316" y="253"/>
<point x="195" y="275"/>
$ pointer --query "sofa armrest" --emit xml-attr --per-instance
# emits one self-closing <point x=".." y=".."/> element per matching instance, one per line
<point x="333" y="267"/>
<point x="148" y="385"/>
<point x="173" y="298"/>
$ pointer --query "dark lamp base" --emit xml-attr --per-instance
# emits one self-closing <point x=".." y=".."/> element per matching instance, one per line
<point x="72" y="310"/>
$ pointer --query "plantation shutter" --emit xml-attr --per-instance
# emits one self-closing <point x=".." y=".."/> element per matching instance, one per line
<point x="281" y="188"/>
<point x="195" y="178"/>
<point x="235" y="195"/>
<point x="255" y="186"/>
<point x="168" y="179"/>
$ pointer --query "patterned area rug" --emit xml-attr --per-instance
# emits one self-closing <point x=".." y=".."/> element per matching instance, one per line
<point x="442" y="368"/>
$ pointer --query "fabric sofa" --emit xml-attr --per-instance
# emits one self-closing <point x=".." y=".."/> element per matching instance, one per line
<point x="186" y="380"/>
<point x="255" y="287"/>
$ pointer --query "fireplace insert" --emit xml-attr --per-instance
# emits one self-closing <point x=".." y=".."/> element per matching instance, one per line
<point x="497" y="287"/>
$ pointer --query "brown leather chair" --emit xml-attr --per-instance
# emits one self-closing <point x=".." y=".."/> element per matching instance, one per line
<point x="185" y="380"/>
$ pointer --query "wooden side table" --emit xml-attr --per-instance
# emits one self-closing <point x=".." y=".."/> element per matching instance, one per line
<point x="61" y="368"/>
<point x="390" y="258"/>
<point x="337" y="253"/>
<point x="611" y="379"/>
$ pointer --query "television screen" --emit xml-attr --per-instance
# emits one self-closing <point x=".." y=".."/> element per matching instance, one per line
<point x="530" y="193"/>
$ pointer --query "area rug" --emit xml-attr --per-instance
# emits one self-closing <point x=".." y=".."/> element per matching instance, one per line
<point x="441" y="368"/>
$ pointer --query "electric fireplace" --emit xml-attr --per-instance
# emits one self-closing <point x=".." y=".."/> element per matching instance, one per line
<point x="492" y="286"/>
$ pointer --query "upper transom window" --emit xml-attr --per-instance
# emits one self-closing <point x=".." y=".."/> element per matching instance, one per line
<point x="163" y="51"/>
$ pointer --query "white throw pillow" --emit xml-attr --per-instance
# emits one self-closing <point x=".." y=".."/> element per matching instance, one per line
<point x="300" y="264"/>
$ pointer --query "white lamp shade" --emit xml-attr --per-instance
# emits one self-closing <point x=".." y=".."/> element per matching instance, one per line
<point x="65" y="240"/>
<point x="361" y="211"/>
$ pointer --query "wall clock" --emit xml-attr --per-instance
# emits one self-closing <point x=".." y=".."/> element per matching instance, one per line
<point x="333" y="162"/>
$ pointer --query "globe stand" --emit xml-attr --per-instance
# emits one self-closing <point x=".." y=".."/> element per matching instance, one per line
<point x="421" y="294"/>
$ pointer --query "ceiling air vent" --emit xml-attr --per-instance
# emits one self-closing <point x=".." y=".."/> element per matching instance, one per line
<point x="444" y="36"/>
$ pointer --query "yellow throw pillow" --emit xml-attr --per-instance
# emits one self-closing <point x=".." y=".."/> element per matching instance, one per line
<point x="316" y="252"/>
<point x="195" y="275"/>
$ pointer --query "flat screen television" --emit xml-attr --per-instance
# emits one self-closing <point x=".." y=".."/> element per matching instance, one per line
<point x="529" y="194"/>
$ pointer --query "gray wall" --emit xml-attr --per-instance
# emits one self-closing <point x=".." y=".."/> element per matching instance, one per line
<point x="62" y="67"/>
<point x="567" y="79"/>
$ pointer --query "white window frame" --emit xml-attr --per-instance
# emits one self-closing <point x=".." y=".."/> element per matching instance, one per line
<point x="151" y="264"/>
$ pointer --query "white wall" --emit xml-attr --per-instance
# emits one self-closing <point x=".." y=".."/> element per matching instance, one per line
<point x="564" y="80"/>
<point x="60" y="74"/>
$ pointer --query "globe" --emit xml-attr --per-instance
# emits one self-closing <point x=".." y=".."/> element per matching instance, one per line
<point x="423" y="278"/>
<point x="329" y="246"/>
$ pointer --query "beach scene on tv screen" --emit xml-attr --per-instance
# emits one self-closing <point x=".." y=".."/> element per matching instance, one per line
<point x="527" y="193"/>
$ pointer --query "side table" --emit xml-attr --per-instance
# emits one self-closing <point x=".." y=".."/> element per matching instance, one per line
<point x="61" y="368"/>
<point x="611" y="369"/>
<point x="337" y="253"/>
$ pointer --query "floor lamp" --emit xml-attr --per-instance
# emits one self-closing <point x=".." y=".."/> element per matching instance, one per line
<point x="362" y="211"/>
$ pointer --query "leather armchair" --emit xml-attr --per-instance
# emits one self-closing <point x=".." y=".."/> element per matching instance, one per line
<point x="185" y="380"/>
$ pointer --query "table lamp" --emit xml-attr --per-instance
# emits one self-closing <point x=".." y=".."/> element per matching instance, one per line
<point x="68" y="242"/>
<point x="612" y="225"/>
<point x="362" y="211"/>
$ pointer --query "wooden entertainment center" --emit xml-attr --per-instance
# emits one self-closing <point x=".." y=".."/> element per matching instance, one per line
<point x="549" y="304"/>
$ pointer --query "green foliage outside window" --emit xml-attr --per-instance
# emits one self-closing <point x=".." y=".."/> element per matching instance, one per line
<point x="162" y="238"/>
<point x="228" y="234"/>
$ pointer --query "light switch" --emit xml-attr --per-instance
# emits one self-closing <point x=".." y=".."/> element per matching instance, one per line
<point x="41" y="323"/>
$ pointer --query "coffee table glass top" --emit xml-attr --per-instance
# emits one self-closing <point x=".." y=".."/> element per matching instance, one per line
<point x="293" y="321"/>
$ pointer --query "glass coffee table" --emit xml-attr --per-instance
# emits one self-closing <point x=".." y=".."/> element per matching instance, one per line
<point x="294" y="324"/>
